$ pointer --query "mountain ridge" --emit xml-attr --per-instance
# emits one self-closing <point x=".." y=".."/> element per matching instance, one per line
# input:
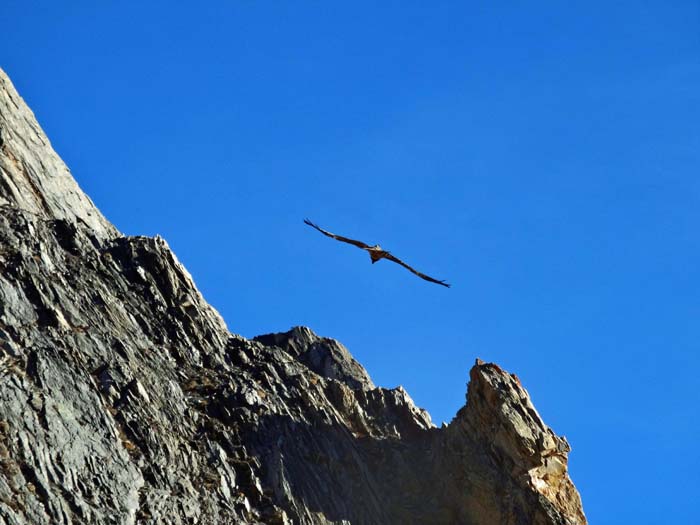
<point x="124" y="397"/>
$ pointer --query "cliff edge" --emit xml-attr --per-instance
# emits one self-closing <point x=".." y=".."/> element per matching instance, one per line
<point x="124" y="398"/>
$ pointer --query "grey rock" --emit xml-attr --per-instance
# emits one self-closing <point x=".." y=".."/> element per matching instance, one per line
<point x="32" y="175"/>
<point x="124" y="398"/>
<point x="327" y="357"/>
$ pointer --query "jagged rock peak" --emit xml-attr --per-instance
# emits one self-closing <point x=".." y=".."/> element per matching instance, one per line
<point x="501" y="417"/>
<point x="325" y="356"/>
<point x="32" y="175"/>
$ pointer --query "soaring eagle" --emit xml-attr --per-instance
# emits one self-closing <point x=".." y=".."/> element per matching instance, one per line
<point x="376" y="252"/>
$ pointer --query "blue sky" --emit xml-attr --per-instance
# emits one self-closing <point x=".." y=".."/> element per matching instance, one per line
<point x="540" y="156"/>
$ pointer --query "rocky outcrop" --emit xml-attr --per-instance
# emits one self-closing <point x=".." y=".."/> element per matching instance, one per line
<point x="125" y="399"/>
<point x="32" y="176"/>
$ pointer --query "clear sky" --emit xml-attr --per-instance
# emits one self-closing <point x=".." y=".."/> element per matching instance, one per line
<point x="540" y="156"/>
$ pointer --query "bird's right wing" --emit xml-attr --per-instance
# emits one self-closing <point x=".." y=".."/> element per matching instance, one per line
<point x="413" y="270"/>
<point x="359" y="244"/>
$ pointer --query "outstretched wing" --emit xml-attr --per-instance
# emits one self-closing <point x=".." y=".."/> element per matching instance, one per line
<point x="421" y="275"/>
<point x="359" y="244"/>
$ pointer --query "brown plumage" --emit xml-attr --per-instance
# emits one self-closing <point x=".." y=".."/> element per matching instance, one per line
<point x="376" y="253"/>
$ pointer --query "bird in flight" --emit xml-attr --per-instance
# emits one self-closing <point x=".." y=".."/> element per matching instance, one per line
<point x="376" y="253"/>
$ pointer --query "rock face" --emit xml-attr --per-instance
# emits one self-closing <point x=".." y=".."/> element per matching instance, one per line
<point x="125" y="399"/>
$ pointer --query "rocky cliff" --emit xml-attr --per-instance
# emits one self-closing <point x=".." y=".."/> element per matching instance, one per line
<point x="125" y="399"/>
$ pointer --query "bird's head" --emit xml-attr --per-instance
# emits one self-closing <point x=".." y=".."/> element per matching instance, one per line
<point x="376" y="247"/>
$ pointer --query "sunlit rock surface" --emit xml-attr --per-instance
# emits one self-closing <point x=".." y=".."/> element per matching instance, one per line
<point x="125" y="399"/>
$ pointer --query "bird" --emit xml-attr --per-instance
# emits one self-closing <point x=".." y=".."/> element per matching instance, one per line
<point x="376" y="253"/>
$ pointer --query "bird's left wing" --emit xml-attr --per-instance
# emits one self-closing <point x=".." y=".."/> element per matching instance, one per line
<point x="359" y="244"/>
<point x="419" y="274"/>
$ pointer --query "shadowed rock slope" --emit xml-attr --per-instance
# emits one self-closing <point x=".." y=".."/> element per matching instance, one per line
<point x="125" y="399"/>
